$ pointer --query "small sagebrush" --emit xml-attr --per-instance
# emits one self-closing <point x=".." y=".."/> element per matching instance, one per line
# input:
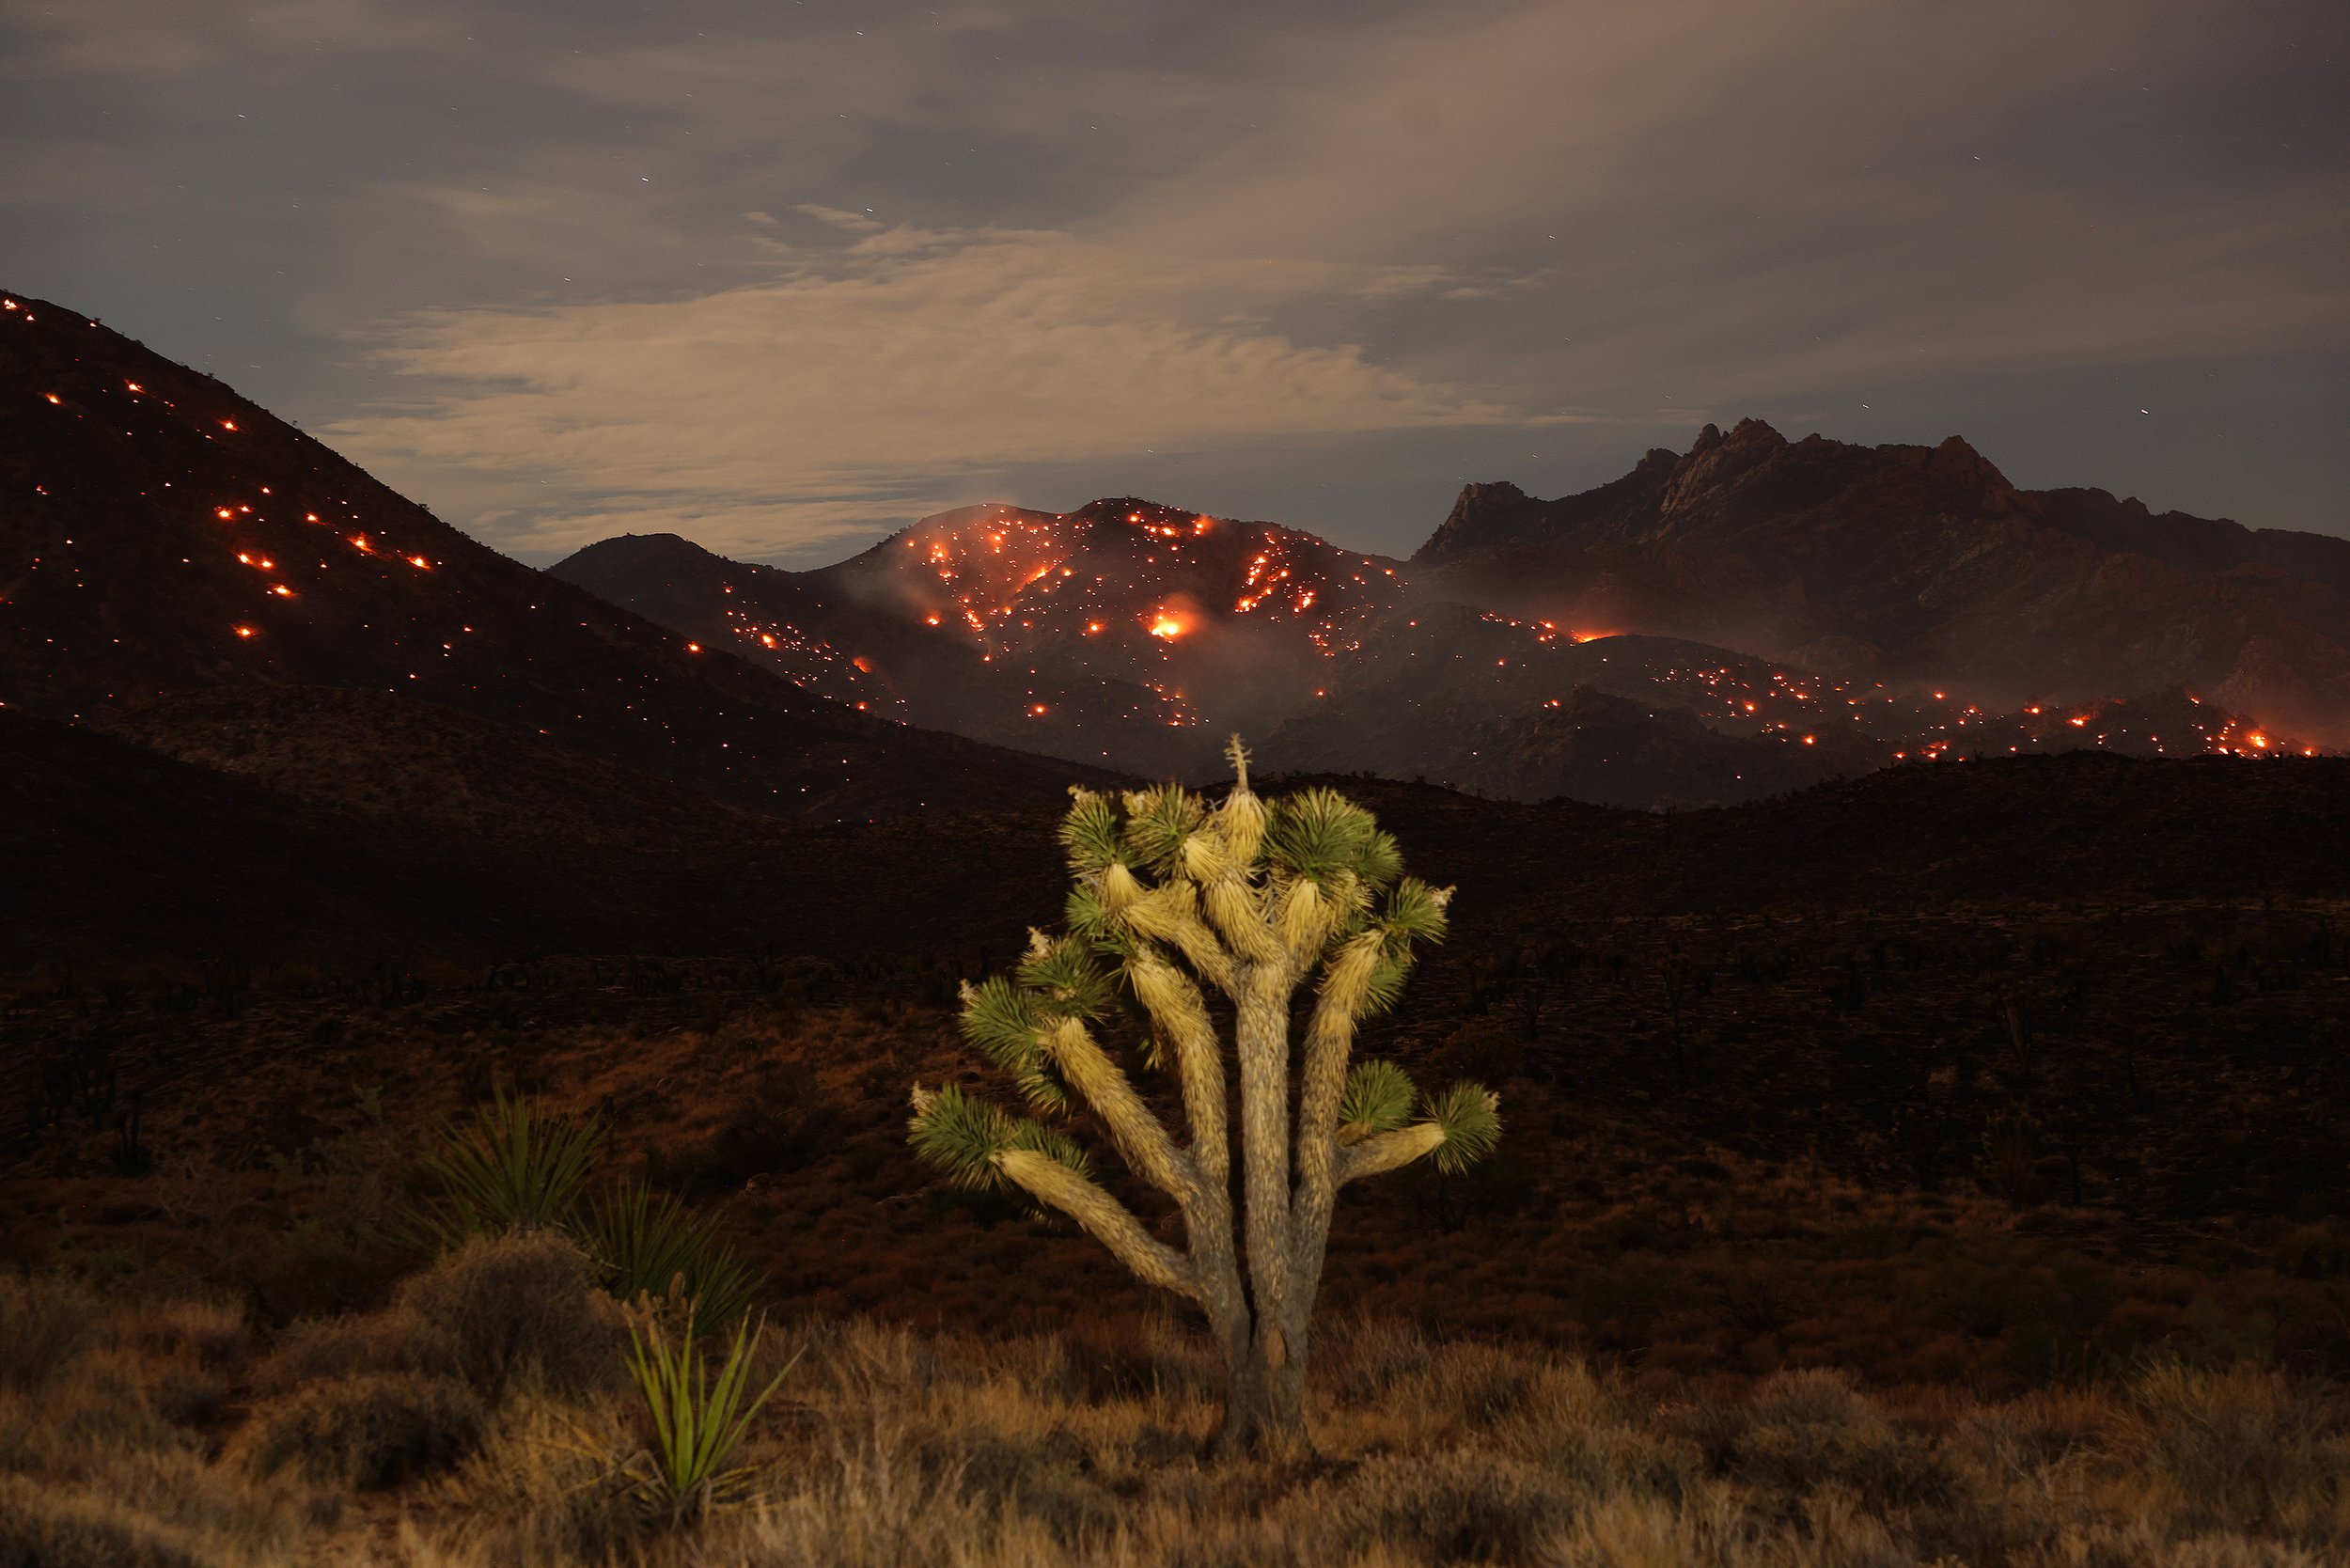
<point x="522" y="1306"/>
<point x="367" y="1432"/>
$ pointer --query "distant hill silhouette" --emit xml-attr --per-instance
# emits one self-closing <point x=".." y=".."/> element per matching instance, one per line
<point x="116" y="852"/>
<point x="161" y="536"/>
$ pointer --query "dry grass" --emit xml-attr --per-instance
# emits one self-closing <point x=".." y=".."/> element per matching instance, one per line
<point x="156" y="1433"/>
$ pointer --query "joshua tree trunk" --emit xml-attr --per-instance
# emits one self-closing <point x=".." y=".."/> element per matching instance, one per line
<point x="1249" y="901"/>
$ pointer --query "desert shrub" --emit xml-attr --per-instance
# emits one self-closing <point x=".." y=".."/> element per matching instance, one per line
<point x="521" y="1305"/>
<point x="548" y="1485"/>
<point x="2239" y="1448"/>
<point x="649" y="1244"/>
<point x="374" y="1430"/>
<point x="97" y="1404"/>
<point x="1453" y="1506"/>
<point x="53" y="1528"/>
<point x="43" y="1320"/>
<point x="392" y="1341"/>
<point x="1805" y="1429"/>
<point x="1134" y="1356"/>
<point x="325" y="1265"/>
<point x="207" y="1333"/>
<point x="1365" y="1358"/>
<point x="2316" y="1251"/>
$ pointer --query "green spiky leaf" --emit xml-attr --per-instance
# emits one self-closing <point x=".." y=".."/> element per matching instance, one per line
<point x="1386" y="987"/>
<point x="1091" y="831"/>
<point x="1052" y="1144"/>
<point x="960" y="1138"/>
<point x="1318" y="834"/>
<point x="1082" y="912"/>
<point x="1464" y="1113"/>
<point x="1002" y="1021"/>
<point x="1416" y="913"/>
<point x="516" y="1165"/>
<point x="1159" y="820"/>
<point x="643" y="1240"/>
<point x="1378" y="1097"/>
<point x="1380" y="861"/>
<point x="1065" y="979"/>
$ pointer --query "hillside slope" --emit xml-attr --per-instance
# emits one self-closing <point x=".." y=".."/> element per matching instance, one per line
<point x="160" y="535"/>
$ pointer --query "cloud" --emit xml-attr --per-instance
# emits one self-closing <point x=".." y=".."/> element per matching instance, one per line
<point x="1751" y="200"/>
<point x="173" y="39"/>
<point x="871" y="378"/>
<point x="821" y="268"/>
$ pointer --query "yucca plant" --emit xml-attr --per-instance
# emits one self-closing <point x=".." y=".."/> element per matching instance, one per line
<point x="1176" y="901"/>
<point x="515" y="1166"/>
<point x="697" y="1422"/>
<point x="649" y="1244"/>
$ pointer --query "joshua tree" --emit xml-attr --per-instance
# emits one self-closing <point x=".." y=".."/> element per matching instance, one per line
<point x="1211" y="917"/>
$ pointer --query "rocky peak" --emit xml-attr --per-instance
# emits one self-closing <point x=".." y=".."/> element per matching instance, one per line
<point x="1481" y="510"/>
<point x="1956" y="464"/>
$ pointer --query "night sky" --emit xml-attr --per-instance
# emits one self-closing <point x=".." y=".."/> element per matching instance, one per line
<point x="782" y="274"/>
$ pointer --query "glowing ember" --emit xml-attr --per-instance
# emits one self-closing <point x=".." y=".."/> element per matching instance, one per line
<point x="1169" y="625"/>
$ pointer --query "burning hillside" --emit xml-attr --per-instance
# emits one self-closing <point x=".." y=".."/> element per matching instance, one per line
<point x="160" y="535"/>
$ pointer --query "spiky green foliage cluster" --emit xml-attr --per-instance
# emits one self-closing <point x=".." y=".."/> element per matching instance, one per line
<point x="649" y="1244"/>
<point x="515" y="1167"/>
<point x="962" y="1136"/>
<point x="1471" y="1125"/>
<point x="698" y="1420"/>
<point x="1378" y="1099"/>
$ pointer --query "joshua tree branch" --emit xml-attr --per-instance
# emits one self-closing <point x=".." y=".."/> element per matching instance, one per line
<point x="1262" y="1038"/>
<point x="1176" y="1006"/>
<point x="1387" y="1151"/>
<point x="1328" y="1042"/>
<point x="1169" y="912"/>
<point x="1140" y="1137"/>
<point x="1106" y="1219"/>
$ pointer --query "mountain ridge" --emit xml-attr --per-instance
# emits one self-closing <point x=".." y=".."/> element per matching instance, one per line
<point x="1616" y="605"/>
<point x="1920" y="563"/>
